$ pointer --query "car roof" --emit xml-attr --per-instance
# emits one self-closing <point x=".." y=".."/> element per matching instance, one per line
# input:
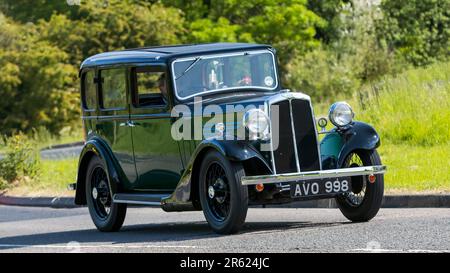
<point x="160" y="54"/>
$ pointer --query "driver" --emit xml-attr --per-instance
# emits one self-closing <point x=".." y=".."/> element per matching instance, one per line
<point x="245" y="81"/>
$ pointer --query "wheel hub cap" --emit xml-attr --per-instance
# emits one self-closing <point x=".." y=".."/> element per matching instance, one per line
<point x="94" y="193"/>
<point x="211" y="192"/>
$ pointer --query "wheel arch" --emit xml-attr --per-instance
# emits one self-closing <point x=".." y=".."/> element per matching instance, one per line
<point x="94" y="147"/>
<point x="237" y="151"/>
<point x="360" y="136"/>
<point x="338" y="144"/>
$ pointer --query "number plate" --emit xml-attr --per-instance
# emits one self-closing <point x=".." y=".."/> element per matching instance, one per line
<point x="317" y="187"/>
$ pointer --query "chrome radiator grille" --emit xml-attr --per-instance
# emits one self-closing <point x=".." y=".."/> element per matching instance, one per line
<point x="297" y="149"/>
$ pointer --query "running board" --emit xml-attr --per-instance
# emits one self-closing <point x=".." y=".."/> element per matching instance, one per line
<point x="149" y="199"/>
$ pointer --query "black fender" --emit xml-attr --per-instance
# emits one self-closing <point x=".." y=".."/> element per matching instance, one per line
<point x="186" y="191"/>
<point x="96" y="147"/>
<point x="359" y="136"/>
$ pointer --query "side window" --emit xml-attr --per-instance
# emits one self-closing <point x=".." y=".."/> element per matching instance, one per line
<point x="89" y="90"/>
<point x="113" y="87"/>
<point x="150" y="87"/>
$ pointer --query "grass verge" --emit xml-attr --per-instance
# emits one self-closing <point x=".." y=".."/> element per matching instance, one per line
<point x="414" y="169"/>
<point x="53" y="180"/>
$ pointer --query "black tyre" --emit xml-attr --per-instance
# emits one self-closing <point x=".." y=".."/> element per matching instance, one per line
<point x="106" y="215"/>
<point x="363" y="203"/>
<point x="224" y="200"/>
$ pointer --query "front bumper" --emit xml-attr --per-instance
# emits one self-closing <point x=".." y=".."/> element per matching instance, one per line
<point x="303" y="176"/>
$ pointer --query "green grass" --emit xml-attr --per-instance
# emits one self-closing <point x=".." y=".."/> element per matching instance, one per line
<point x="416" y="168"/>
<point x="53" y="180"/>
<point x="412" y="108"/>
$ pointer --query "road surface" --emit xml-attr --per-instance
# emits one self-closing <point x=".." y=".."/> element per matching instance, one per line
<point x="26" y="229"/>
<point x="59" y="153"/>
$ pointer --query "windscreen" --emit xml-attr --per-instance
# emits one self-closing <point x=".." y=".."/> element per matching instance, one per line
<point x="206" y="74"/>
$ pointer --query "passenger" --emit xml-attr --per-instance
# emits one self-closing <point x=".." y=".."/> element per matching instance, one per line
<point x="163" y="87"/>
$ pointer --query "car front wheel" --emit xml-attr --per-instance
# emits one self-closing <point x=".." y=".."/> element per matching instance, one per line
<point x="364" y="201"/>
<point x="106" y="215"/>
<point x="224" y="200"/>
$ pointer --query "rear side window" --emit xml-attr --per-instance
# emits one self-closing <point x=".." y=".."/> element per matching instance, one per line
<point x="113" y="88"/>
<point x="151" y="88"/>
<point x="89" y="91"/>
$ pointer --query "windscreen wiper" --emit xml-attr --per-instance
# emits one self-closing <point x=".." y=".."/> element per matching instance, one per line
<point x="189" y="67"/>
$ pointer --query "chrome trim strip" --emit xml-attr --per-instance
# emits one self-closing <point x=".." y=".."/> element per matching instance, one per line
<point x="317" y="135"/>
<point x="292" y="177"/>
<point x="297" y="162"/>
<point x="119" y="201"/>
<point x="269" y="112"/>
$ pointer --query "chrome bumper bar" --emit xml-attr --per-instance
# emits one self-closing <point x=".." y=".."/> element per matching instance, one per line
<point x="301" y="176"/>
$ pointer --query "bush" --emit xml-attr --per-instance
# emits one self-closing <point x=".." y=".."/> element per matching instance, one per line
<point x="21" y="161"/>
<point x="322" y="75"/>
<point x="3" y="184"/>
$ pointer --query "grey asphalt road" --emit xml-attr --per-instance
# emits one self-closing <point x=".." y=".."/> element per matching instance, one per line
<point x="59" y="153"/>
<point x="24" y="229"/>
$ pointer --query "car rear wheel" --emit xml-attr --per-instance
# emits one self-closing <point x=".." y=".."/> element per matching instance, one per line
<point x="224" y="200"/>
<point x="106" y="215"/>
<point x="364" y="201"/>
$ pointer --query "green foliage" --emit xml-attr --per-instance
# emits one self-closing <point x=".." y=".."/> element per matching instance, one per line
<point x="21" y="160"/>
<point x="36" y="84"/>
<point x="419" y="30"/>
<point x="97" y="28"/>
<point x="328" y="49"/>
<point x="338" y="70"/>
<point x="331" y="11"/>
<point x="3" y="184"/>
<point x="287" y="25"/>
<point x="412" y="108"/>
<point x="20" y="10"/>
<point x="322" y="75"/>
<point x="39" y="61"/>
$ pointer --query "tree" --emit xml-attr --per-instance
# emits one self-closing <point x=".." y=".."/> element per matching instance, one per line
<point x="36" y="83"/>
<point x="331" y="11"/>
<point x="288" y="25"/>
<point x="20" y="10"/>
<point x="418" y="30"/>
<point x="96" y="28"/>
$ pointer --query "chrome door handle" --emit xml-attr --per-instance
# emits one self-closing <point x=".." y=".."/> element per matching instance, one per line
<point x="129" y="123"/>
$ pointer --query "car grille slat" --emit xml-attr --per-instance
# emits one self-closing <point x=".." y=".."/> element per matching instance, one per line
<point x="301" y="130"/>
<point x="284" y="156"/>
<point x="305" y="133"/>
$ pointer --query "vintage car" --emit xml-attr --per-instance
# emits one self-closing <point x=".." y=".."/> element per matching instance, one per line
<point x="210" y="127"/>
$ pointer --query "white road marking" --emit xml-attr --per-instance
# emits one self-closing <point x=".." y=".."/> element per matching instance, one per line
<point x="97" y="246"/>
<point x="401" y="250"/>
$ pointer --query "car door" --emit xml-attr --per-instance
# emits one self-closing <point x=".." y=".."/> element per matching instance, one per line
<point x="113" y="120"/>
<point x="156" y="153"/>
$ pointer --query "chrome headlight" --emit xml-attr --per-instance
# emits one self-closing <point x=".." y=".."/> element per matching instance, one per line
<point x="256" y="121"/>
<point x="341" y="114"/>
